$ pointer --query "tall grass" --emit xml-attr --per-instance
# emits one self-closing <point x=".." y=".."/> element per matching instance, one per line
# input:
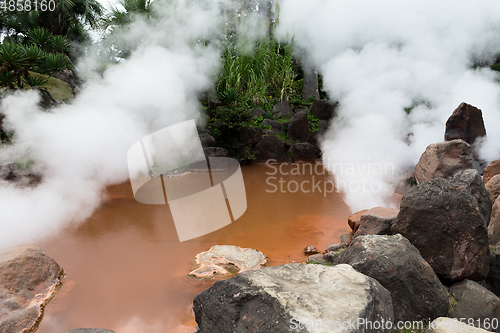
<point x="255" y="74"/>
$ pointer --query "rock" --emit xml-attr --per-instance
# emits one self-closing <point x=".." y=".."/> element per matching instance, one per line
<point x="215" y="152"/>
<point x="495" y="209"/>
<point x="282" y="109"/>
<point x="303" y="152"/>
<point x="207" y="140"/>
<point x="251" y="135"/>
<point x="271" y="148"/>
<point x="443" y="160"/>
<point x="268" y="132"/>
<point x="275" y="299"/>
<point x="493" y="187"/>
<point x="316" y="259"/>
<point x="90" y="330"/>
<point x="333" y="257"/>
<point x="323" y="124"/>
<point x="345" y="239"/>
<point x="417" y="293"/>
<point x="285" y="125"/>
<point x="377" y="221"/>
<point x="310" y="85"/>
<point x="317" y="137"/>
<point x="258" y="112"/>
<point x="442" y="219"/>
<point x="476" y="185"/>
<point x="298" y="127"/>
<point x="275" y="126"/>
<point x="323" y="109"/>
<point x="310" y="250"/>
<point x="355" y="219"/>
<point x="476" y="302"/>
<point x="493" y="278"/>
<point x="494" y="229"/>
<point x="465" y="123"/>
<point x="29" y="279"/>
<point x="449" y="325"/>
<point x="20" y="177"/>
<point x="334" y="247"/>
<point x="493" y="168"/>
<point x="227" y="260"/>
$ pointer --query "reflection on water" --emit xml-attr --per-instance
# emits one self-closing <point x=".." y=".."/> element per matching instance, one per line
<point x="126" y="270"/>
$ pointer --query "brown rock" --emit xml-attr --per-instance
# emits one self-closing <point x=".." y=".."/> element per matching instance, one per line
<point x="346" y="239"/>
<point x="491" y="169"/>
<point x="251" y="134"/>
<point x="271" y="148"/>
<point x="465" y="123"/>
<point x="495" y="209"/>
<point x="443" y="160"/>
<point x="493" y="186"/>
<point x="310" y="250"/>
<point x="377" y="221"/>
<point x="355" y="219"/>
<point x="29" y="278"/>
<point x="494" y="229"/>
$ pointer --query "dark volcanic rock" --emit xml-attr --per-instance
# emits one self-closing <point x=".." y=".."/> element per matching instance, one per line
<point x="465" y="123"/>
<point x="275" y="126"/>
<point x="493" y="278"/>
<point x="282" y="109"/>
<point x="345" y="239"/>
<point x="269" y="299"/>
<point x="443" y="220"/>
<point x="251" y="134"/>
<point x="477" y="188"/>
<point x="444" y="159"/>
<point x="417" y="293"/>
<point x="298" y="127"/>
<point x="207" y="140"/>
<point x="303" y="152"/>
<point x="323" y="109"/>
<point x="271" y="148"/>
<point x="493" y="187"/>
<point x="377" y="221"/>
<point x="476" y="302"/>
<point x="355" y="220"/>
<point x="317" y="137"/>
<point x="258" y="112"/>
<point x="493" y="168"/>
<point x="215" y="152"/>
<point x="310" y="85"/>
<point x="29" y="278"/>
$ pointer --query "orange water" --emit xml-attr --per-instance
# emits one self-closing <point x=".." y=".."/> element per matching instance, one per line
<point x="127" y="271"/>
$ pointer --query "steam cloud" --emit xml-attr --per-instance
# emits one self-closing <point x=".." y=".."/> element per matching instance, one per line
<point x="379" y="57"/>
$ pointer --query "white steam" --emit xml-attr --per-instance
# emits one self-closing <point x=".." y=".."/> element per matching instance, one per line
<point x="379" y="57"/>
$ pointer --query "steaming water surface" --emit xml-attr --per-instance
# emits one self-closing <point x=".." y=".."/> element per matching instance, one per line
<point x="126" y="270"/>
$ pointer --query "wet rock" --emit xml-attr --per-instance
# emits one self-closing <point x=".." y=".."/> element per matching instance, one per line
<point x="477" y="188"/>
<point x="251" y="135"/>
<point x="258" y="112"/>
<point x="310" y="85"/>
<point x="282" y="109"/>
<point x="493" y="168"/>
<point x="271" y="147"/>
<point x="466" y="123"/>
<point x="215" y="152"/>
<point x="273" y="299"/>
<point x="493" y="187"/>
<point x="345" y="239"/>
<point x="207" y="140"/>
<point x="417" y="293"/>
<point x="303" y="152"/>
<point x="377" y="221"/>
<point x="443" y="220"/>
<point x="316" y="259"/>
<point x="449" y="325"/>
<point x="298" y="127"/>
<point x="310" y="250"/>
<point x="90" y="330"/>
<point x="29" y="279"/>
<point x="493" y="278"/>
<point x="475" y="302"/>
<point x="275" y="126"/>
<point x="323" y="109"/>
<point x="227" y="260"/>
<point x="443" y="160"/>
<point x="355" y="219"/>
<point x="317" y="137"/>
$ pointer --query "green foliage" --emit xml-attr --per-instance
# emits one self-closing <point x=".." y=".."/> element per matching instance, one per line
<point x="7" y="79"/>
<point x="59" y="44"/>
<point x="313" y="122"/>
<point x="40" y="37"/>
<point x="495" y="67"/>
<point x="33" y="81"/>
<point x="53" y="63"/>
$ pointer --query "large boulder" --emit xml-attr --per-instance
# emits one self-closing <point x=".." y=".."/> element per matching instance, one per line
<point x="282" y="109"/>
<point x="298" y="127"/>
<point x="477" y="188"/>
<point x="493" y="187"/>
<point x="493" y="168"/>
<point x="207" y="140"/>
<point x="227" y="260"/>
<point x="494" y="228"/>
<point x="29" y="279"/>
<point x="417" y="293"/>
<point x="474" y="301"/>
<point x="449" y="325"/>
<point x="303" y="152"/>
<point x="271" y="147"/>
<point x="251" y="135"/>
<point x="354" y="220"/>
<point x="276" y="127"/>
<point x="323" y="109"/>
<point x="444" y="159"/>
<point x="292" y="297"/>
<point x="493" y="278"/>
<point x="465" y="123"/>
<point x="443" y="220"/>
<point x="377" y="221"/>
<point x="310" y="85"/>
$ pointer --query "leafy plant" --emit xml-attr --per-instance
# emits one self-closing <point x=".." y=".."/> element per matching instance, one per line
<point x="313" y="122"/>
<point x="59" y="44"/>
<point x="40" y="37"/>
<point x="33" y="81"/>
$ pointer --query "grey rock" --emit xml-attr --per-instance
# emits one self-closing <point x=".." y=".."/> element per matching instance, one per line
<point x="317" y="137"/>
<point x="298" y="127"/>
<point x="310" y="85"/>
<point x="258" y="112"/>
<point x="282" y="109"/>
<point x="449" y="325"/>
<point x="271" y="148"/>
<point x="207" y="140"/>
<point x="377" y="221"/>
<point x="323" y="109"/>
<point x="477" y="188"/>
<point x="275" y="126"/>
<point x="215" y="152"/>
<point x="251" y="135"/>
<point x="334" y="247"/>
<point x="493" y="278"/>
<point x="323" y="124"/>
<point x="316" y="259"/>
<point x="303" y="152"/>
